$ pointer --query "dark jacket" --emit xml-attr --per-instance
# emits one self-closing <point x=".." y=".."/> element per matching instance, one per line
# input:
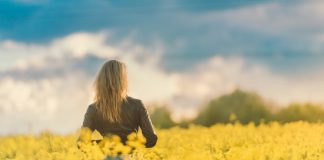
<point x="134" y="115"/>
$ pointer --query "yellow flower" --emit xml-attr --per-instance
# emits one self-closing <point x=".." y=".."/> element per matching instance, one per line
<point x="275" y="141"/>
<point x="131" y="136"/>
<point x="85" y="135"/>
<point x="96" y="135"/>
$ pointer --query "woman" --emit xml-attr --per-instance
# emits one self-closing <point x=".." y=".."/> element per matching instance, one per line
<point x="114" y="112"/>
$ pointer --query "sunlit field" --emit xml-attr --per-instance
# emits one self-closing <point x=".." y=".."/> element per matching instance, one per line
<point x="297" y="140"/>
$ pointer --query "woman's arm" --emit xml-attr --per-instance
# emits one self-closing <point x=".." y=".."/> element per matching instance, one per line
<point x="147" y="126"/>
<point x="88" y="118"/>
<point x="87" y="123"/>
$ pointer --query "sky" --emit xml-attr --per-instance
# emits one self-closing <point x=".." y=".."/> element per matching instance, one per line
<point x="178" y="53"/>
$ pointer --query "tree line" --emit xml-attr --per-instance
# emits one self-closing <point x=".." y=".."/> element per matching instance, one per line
<point x="243" y="107"/>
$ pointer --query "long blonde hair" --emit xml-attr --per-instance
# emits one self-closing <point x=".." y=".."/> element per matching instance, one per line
<point x="111" y="86"/>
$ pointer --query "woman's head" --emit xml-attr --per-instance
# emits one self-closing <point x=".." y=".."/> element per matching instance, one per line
<point x="111" y="86"/>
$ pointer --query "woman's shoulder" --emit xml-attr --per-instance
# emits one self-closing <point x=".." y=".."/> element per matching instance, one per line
<point x="91" y="107"/>
<point x="132" y="100"/>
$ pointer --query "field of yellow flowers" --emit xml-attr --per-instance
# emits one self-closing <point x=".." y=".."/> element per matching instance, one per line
<point x="291" y="141"/>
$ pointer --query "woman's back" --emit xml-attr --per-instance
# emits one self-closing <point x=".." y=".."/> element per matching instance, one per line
<point x="133" y="114"/>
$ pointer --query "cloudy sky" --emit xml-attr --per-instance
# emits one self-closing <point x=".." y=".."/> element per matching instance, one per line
<point x="178" y="52"/>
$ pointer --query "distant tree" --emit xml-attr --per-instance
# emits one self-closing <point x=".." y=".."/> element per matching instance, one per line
<point x="161" y="118"/>
<point x="184" y="123"/>
<point x="242" y="106"/>
<point x="306" y="112"/>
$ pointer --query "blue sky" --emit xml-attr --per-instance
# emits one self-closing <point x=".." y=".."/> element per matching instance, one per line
<point x="192" y="30"/>
<point x="184" y="51"/>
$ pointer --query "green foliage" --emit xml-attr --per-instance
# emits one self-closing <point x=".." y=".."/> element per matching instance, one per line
<point x="161" y="118"/>
<point x="241" y="106"/>
<point x="306" y="112"/>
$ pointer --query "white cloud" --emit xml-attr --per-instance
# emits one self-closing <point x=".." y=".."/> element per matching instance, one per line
<point x="220" y="75"/>
<point x="52" y="90"/>
<point x="49" y="103"/>
<point x="296" y="24"/>
<point x="275" y="17"/>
